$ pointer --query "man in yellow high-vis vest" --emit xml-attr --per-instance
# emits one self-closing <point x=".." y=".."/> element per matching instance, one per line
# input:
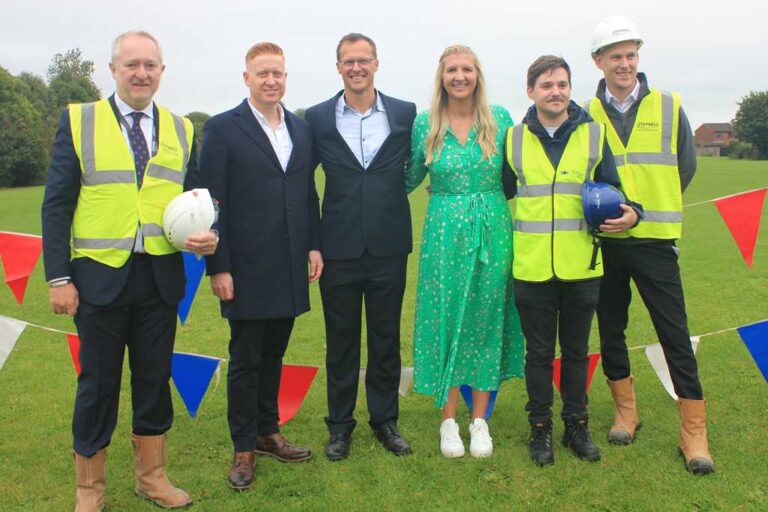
<point x="116" y="164"/>
<point x="549" y="156"/>
<point x="652" y="143"/>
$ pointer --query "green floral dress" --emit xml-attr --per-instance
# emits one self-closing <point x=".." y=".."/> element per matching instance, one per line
<point x="467" y="330"/>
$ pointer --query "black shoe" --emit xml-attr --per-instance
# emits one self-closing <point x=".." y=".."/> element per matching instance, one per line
<point x="578" y="439"/>
<point x="338" y="446"/>
<point x="391" y="439"/>
<point x="540" y="444"/>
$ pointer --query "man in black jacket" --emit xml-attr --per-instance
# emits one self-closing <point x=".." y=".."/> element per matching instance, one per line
<point x="362" y="138"/>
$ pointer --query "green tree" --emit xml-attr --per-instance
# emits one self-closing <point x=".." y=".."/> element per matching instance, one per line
<point x="300" y="112"/>
<point x="751" y="122"/>
<point x="70" y="80"/>
<point x="198" y="121"/>
<point x="23" y="153"/>
<point x="34" y="88"/>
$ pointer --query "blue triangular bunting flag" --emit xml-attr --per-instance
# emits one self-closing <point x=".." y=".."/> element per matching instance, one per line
<point x="193" y="270"/>
<point x="755" y="337"/>
<point x="466" y="394"/>
<point x="192" y="373"/>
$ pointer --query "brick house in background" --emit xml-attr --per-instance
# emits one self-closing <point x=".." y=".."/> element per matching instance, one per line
<point x="712" y="139"/>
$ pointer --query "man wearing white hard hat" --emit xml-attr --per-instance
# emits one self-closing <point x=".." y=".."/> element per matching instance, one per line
<point x="651" y="140"/>
<point x="115" y="165"/>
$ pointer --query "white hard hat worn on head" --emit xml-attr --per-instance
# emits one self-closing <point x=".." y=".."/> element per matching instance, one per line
<point x="190" y="213"/>
<point x="614" y="29"/>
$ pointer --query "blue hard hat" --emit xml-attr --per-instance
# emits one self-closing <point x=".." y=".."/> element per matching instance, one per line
<point x="601" y="201"/>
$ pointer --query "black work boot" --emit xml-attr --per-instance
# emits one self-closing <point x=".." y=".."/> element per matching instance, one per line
<point x="578" y="439"/>
<point x="540" y="444"/>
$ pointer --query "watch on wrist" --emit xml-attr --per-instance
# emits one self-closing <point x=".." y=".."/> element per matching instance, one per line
<point x="58" y="283"/>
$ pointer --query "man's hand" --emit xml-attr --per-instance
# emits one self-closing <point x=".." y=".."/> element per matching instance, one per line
<point x="627" y="220"/>
<point x="315" y="266"/>
<point x="64" y="300"/>
<point x="203" y="244"/>
<point x="223" y="286"/>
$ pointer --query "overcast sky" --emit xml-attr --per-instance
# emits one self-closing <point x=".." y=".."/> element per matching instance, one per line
<point x="713" y="53"/>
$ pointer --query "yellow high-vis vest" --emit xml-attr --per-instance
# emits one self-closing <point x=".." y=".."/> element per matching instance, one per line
<point x="552" y="239"/>
<point x="110" y="206"/>
<point x="647" y="165"/>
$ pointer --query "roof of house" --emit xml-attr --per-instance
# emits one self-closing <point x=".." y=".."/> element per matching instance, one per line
<point x="718" y="127"/>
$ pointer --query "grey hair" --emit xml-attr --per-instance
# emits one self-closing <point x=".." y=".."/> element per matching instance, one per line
<point x="119" y="40"/>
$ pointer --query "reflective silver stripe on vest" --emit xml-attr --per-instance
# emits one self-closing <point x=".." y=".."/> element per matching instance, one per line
<point x="181" y="133"/>
<point x="545" y="189"/>
<point x="667" y="106"/>
<point x="125" y="244"/>
<point x="165" y="173"/>
<point x="594" y="148"/>
<point x="647" y="158"/>
<point x="662" y="216"/>
<point x="545" y="226"/>
<point x="517" y="152"/>
<point x="88" y="153"/>
<point x="150" y="229"/>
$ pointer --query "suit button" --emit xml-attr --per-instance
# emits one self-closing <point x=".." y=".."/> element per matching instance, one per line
<point x="285" y="241"/>
<point x="285" y="177"/>
<point x="289" y="207"/>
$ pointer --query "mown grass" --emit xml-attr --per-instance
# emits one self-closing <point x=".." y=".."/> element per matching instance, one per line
<point x="37" y="388"/>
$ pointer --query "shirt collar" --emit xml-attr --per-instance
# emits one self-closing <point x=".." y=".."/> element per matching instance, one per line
<point x="610" y="98"/>
<point x="342" y="107"/>
<point x="262" y="118"/>
<point x="126" y="110"/>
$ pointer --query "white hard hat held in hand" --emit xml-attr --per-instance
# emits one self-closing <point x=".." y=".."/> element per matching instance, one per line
<point x="190" y="213"/>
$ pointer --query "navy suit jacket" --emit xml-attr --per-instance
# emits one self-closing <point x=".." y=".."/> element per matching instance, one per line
<point x="364" y="209"/>
<point x="96" y="283"/>
<point x="269" y="220"/>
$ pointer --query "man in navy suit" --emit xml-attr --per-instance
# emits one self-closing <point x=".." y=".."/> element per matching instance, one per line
<point x="362" y="138"/>
<point x="258" y="162"/>
<point x="115" y="164"/>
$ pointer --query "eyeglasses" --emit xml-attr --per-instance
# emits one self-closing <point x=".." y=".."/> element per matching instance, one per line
<point x="363" y="63"/>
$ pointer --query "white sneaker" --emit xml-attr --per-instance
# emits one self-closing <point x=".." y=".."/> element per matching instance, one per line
<point x="451" y="444"/>
<point x="481" y="444"/>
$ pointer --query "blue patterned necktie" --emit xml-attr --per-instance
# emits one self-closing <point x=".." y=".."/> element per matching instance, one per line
<point x="139" y="146"/>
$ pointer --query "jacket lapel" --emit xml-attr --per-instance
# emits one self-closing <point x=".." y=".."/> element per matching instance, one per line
<point x="247" y="122"/>
<point x="392" y="120"/>
<point x="331" y="119"/>
<point x="295" y="138"/>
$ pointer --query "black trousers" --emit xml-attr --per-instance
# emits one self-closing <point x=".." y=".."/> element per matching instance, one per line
<point x="546" y="309"/>
<point x="654" y="269"/>
<point x="380" y="281"/>
<point x="140" y="320"/>
<point x="256" y="350"/>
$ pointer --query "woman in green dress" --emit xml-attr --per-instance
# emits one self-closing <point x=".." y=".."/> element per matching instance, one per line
<point x="467" y="330"/>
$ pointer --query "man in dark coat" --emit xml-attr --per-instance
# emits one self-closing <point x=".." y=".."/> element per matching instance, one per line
<point x="258" y="162"/>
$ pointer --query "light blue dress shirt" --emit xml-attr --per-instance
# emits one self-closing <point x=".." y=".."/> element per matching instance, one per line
<point x="365" y="132"/>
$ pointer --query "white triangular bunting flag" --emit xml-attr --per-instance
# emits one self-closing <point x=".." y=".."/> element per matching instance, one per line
<point x="10" y="330"/>
<point x="655" y="356"/>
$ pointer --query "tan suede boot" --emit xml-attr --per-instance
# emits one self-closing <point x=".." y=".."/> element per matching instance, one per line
<point x="625" y="422"/>
<point x="90" y="473"/>
<point x="151" y="482"/>
<point x="693" y="436"/>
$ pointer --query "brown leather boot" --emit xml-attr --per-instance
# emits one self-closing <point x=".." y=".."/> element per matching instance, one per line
<point x="91" y="474"/>
<point x="151" y="482"/>
<point x="241" y="473"/>
<point x="277" y="446"/>
<point x="693" y="436"/>
<point x="625" y="422"/>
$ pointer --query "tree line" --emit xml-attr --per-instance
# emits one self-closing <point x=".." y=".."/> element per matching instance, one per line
<point x="30" y="107"/>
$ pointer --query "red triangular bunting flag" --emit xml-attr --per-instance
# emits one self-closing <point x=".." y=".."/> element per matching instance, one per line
<point x="74" y="349"/>
<point x="295" y="382"/>
<point x="19" y="254"/>
<point x="741" y="214"/>
<point x="593" y="360"/>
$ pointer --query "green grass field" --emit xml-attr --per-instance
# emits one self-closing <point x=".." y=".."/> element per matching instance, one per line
<point x="37" y="387"/>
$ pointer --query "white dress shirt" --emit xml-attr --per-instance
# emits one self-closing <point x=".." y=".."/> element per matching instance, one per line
<point x="280" y="138"/>
<point x="623" y="106"/>
<point x="364" y="133"/>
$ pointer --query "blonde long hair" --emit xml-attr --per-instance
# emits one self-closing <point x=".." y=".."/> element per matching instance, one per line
<point x="485" y="124"/>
